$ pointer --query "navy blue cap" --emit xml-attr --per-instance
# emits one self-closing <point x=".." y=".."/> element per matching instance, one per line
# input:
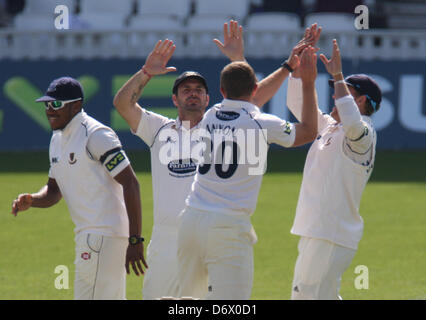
<point x="65" y="88"/>
<point x="364" y="85"/>
<point x="187" y="75"/>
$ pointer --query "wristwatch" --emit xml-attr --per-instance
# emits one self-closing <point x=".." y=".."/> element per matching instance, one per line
<point x="135" y="239"/>
<point x="287" y="66"/>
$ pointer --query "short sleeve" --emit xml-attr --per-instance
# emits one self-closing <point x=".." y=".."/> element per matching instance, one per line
<point x="105" y="146"/>
<point x="149" y="126"/>
<point x="51" y="173"/>
<point x="278" y="131"/>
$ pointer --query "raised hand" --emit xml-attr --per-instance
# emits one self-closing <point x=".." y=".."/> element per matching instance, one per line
<point x="310" y="38"/>
<point x="233" y="46"/>
<point x="157" y="60"/>
<point x="308" y="65"/>
<point x="334" y="65"/>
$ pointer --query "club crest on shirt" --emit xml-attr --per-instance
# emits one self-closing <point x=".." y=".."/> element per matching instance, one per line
<point x="85" y="256"/>
<point x="181" y="166"/>
<point x="72" y="158"/>
<point x="227" y="115"/>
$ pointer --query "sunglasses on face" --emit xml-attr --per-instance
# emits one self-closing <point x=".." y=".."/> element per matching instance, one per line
<point x="58" y="104"/>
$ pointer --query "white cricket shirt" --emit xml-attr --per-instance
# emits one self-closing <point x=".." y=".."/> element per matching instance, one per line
<point x="232" y="186"/>
<point x="172" y="168"/>
<point x="336" y="172"/>
<point x="94" y="199"/>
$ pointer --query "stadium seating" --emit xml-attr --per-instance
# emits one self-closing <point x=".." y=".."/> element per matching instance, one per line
<point x="105" y="15"/>
<point x="32" y="38"/>
<point x="47" y="6"/>
<point x="236" y="9"/>
<point x="177" y="9"/>
<point x="337" y="25"/>
<point x="332" y="21"/>
<point x="201" y="30"/>
<point x="145" y="31"/>
<point x="122" y="7"/>
<point x="270" y="30"/>
<point x="106" y="19"/>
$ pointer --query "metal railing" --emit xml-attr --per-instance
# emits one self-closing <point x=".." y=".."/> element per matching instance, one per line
<point x="131" y="43"/>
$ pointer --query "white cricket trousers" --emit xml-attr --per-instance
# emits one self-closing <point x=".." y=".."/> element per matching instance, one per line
<point x="100" y="272"/>
<point x="215" y="251"/>
<point x="319" y="269"/>
<point x="161" y="278"/>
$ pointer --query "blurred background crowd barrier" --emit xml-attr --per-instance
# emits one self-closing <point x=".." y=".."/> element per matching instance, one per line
<point x="107" y="41"/>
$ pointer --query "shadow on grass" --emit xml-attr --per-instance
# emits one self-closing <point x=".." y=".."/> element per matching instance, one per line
<point x="390" y="166"/>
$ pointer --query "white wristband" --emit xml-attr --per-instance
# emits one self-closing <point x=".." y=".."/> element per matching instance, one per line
<point x="340" y="81"/>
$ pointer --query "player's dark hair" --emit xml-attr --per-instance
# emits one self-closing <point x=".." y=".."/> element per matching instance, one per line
<point x="368" y="107"/>
<point x="237" y="80"/>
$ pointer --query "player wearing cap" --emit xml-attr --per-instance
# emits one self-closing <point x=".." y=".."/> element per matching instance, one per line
<point x="338" y="166"/>
<point x="215" y="238"/>
<point x="172" y="179"/>
<point x="89" y="168"/>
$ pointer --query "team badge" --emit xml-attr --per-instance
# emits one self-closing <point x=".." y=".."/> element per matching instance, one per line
<point x="72" y="158"/>
<point x="85" y="256"/>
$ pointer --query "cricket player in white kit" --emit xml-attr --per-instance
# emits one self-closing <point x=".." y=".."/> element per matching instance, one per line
<point x="338" y="166"/>
<point x="215" y="238"/>
<point x="91" y="171"/>
<point x="172" y="180"/>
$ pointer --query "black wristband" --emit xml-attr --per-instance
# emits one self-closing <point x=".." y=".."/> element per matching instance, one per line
<point x="287" y="66"/>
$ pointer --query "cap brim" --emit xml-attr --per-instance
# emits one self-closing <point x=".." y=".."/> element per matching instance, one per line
<point x="45" y="98"/>
<point x="192" y="76"/>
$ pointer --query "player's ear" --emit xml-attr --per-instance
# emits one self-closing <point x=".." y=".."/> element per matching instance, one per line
<point x="362" y="100"/>
<point x="223" y="93"/>
<point x="253" y="93"/>
<point x="174" y="99"/>
<point x="76" y="106"/>
<point x="207" y="100"/>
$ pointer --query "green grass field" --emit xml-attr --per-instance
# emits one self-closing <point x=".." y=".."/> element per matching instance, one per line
<point x="393" y="246"/>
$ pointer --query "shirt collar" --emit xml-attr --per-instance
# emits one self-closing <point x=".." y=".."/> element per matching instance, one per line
<point x="69" y="128"/>
<point x="237" y="104"/>
<point x="179" y="126"/>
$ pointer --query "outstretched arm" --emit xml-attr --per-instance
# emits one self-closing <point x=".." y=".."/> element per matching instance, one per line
<point x="349" y="114"/>
<point x="307" y="129"/>
<point x="48" y="196"/>
<point x="125" y="101"/>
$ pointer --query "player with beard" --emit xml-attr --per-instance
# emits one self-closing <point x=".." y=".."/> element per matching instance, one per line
<point x="173" y="171"/>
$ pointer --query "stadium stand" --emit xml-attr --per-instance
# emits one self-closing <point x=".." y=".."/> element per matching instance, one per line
<point x="236" y="9"/>
<point x="158" y="19"/>
<point x="174" y="9"/>
<point x="265" y="30"/>
<point x="131" y="28"/>
<point x="145" y="31"/>
<point x="339" y="26"/>
<point x="201" y="30"/>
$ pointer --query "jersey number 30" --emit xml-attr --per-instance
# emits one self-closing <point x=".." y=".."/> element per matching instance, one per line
<point x="219" y="168"/>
